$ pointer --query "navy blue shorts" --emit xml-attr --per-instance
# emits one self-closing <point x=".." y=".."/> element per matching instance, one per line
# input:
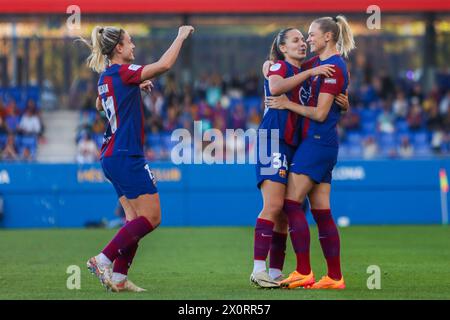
<point x="315" y="161"/>
<point x="130" y="175"/>
<point x="273" y="164"/>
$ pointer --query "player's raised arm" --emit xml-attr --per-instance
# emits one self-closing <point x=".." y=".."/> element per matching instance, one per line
<point x="169" y="57"/>
<point x="279" y="85"/>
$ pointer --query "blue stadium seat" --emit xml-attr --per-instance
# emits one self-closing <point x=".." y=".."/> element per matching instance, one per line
<point x="369" y="115"/>
<point x="3" y="138"/>
<point x="369" y="127"/>
<point x="402" y="126"/>
<point x="387" y="139"/>
<point x="422" y="149"/>
<point x="98" y="138"/>
<point x="421" y="137"/>
<point x="355" y="151"/>
<point x="343" y="150"/>
<point x="354" y="138"/>
<point x="251" y="102"/>
<point x="154" y="140"/>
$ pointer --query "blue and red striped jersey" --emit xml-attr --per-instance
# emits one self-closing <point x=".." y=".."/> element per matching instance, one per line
<point x="289" y="123"/>
<point x="326" y="132"/>
<point x="118" y="89"/>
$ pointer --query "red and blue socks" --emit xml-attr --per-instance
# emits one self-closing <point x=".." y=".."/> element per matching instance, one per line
<point x="299" y="232"/>
<point x="262" y="240"/>
<point x="277" y="254"/>
<point x="329" y="241"/>
<point x="123" y="262"/>
<point x="127" y="237"/>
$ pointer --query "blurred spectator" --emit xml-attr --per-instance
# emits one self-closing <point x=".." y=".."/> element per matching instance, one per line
<point x="26" y="155"/>
<point x="251" y="85"/>
<point x="30" y="124"/>
<point x="415" y="117"/>
<point x="444" y="106"/>
<point x="98" y="127"/>
<point x="437" y="141"/>
<point x="238" y="117"/>
<point x="254" y="119"/>
<point x="214" y="90"/>
<point x="416" y="94"/>
<point x="87" y="151"/>
<point x="405" y="150"/>
<point x="3" y="127"/>
<point x="400" y="105"/>
<point x="370" y="148"/>
<point x="434" y="121"/>
<point x="171" y="121"/>
<point x="385" y="121"/>
<point x="12" y="118"/>
<point x="9" y="152"/>
<point x="350" y="120"/>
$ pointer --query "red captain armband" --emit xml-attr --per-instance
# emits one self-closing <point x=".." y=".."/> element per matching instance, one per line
<point x="131" y="73"/>
<point x="278" y="68"/>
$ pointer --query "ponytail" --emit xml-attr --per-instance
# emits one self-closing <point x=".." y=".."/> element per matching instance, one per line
<point x="103" y="42"/>
<point x="346" y="42"/>
<point x="340" y="29"/>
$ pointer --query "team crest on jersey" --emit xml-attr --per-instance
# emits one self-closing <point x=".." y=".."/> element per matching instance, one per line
<point x="282" y="173"/>
<point x="103" y="89"/>
<point x="134" y="67"/>
<point x="275" y="67"/>
<point x="330" y="80"/>
<point x="304" y="95"/>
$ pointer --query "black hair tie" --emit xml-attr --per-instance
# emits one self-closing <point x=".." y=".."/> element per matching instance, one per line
<point x="101" y="30"/>
<point x="335" y="19"/>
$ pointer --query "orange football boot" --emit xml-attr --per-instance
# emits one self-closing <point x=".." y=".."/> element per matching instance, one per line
<point x="327" y="283"/>
<point x="297" y="279"/>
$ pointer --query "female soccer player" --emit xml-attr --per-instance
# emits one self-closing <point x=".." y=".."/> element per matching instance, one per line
<point x="315" y="158"/>
<point x="122" y="155"/>
<point x="287" y="52"/>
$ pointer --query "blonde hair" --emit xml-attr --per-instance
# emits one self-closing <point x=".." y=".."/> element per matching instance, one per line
<point x="342" y="34"/>
<point x="102" y="45"/>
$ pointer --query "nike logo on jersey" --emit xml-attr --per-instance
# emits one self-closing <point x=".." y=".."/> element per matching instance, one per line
<point x="266" y="235"/>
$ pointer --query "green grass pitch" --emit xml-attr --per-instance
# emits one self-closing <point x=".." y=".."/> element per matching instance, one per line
<point x="215" y="263"/>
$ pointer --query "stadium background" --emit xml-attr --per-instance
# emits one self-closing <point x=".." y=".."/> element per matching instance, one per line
<point x="394" y="142"/>
<point x="390" y="185"/>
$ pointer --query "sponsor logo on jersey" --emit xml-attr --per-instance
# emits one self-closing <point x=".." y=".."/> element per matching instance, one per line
<point x="330" y="80"/>
<point x="275" y="67"/>
<point x="103" y="89"/>
<point x="134" y="67"/>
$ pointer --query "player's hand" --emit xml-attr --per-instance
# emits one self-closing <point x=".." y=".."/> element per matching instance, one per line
<point x="326" y="70"/>
<point x="278" y="102"/>
<point x="185" y="31"/>
<point x="342" y="101"/>
<point x="146" y="86"/>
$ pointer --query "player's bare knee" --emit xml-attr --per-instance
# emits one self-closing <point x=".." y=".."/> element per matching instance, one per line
<point x="274" y="207"/>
